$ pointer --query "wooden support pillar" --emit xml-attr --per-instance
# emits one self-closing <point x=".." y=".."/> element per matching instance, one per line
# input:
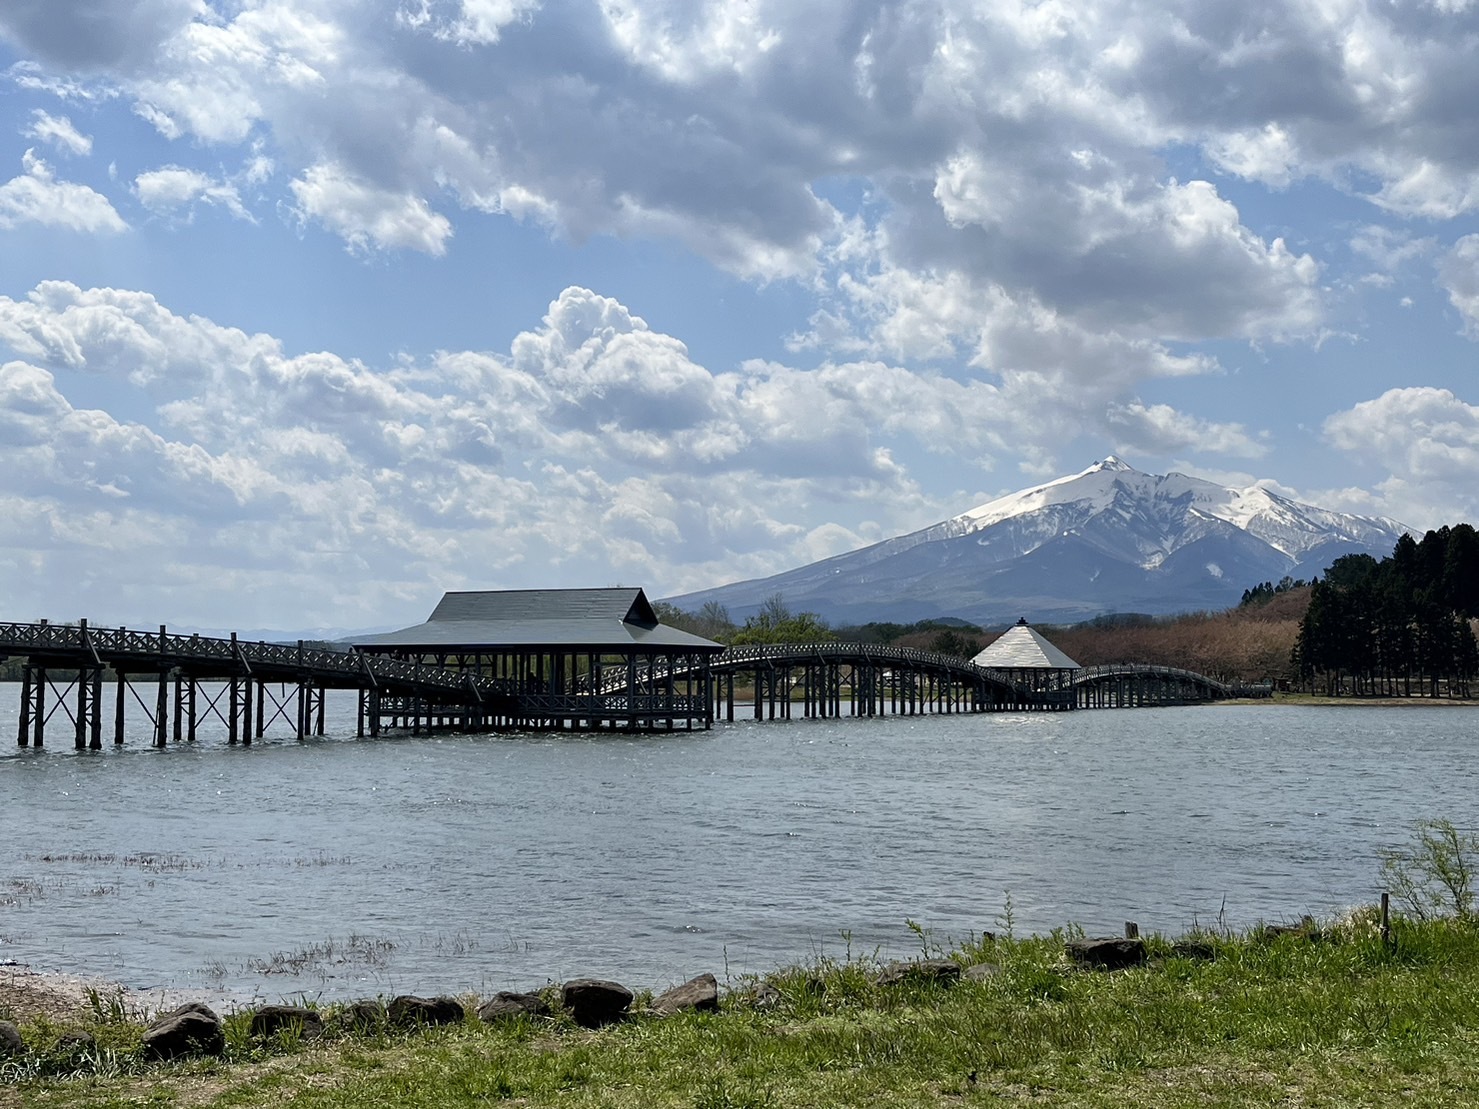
<point x="232" y="712"/>
<point x="38" y="712"/>
<point x="246" y="711"/>
<point x="95" y="740"/>
<point x="23" y="733"/>
<point x="79" y="718"/>
<point x="119" y="696"/>
<point x="707" y="682"/>
<point x="302" y="713"/>
<point x="161" y="708"/>
<point x="179" y="731"/>
<point x="192" y="691"/>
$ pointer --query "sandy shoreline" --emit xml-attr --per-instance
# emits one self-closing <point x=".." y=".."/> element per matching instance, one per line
<point x="1310" y="701"/>
<point x="26" y="994"/>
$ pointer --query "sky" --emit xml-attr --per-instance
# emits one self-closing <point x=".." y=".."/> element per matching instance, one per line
<point x="313" y="309"/>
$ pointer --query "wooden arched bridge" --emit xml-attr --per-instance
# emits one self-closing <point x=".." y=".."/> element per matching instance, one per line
<point x="1130" y="685"/>
<point x="818" y="680"/>
<point x="181" y="681"/>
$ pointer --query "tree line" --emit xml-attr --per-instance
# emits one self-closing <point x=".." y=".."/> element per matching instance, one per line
<point x="775" y="622"/>
<point x="1398" y="627"/>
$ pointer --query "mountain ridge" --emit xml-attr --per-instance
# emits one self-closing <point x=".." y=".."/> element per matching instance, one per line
<point x="1107" y="539"/>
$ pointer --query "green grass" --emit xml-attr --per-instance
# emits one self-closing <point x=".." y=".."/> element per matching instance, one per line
<point x="1331" y="1019"/>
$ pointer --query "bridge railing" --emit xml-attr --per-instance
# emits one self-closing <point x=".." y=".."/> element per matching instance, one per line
<point x="737" y="657"/>
<point x="1090" y="674"/>
<point x="122" y="646"/>
<point x="872" y="652"/>
<point x="752" y="653"/>
<point x="755" y="654"/>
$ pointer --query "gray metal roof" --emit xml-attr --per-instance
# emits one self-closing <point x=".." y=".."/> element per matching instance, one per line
<point x="1022" y="648"/>
<point x="619" y="619"/>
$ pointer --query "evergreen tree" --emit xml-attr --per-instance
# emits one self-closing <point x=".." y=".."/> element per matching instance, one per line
<point x="1375" y="627"/>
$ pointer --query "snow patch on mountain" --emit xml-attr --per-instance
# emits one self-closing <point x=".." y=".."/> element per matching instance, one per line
<point x="1158" y="514"/>
<point x="1107" y="539"/>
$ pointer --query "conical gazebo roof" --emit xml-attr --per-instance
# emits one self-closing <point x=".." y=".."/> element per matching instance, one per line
<point x="1022" y="648"/>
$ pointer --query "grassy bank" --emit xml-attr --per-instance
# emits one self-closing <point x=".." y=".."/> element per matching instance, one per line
<point x="1331" y="1016"/>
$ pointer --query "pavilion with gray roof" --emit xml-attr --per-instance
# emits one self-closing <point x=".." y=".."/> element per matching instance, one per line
<point x="563" y="658"/>
<point x="1028" y="660"/>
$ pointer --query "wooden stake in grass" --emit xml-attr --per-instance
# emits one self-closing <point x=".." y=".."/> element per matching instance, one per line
<point x="1386" y="920"/>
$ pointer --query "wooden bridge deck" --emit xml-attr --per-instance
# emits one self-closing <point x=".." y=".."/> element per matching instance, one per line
<point x="132" y="651"/>
<point x="82" y="653"/>
<point x="811" y="679"/>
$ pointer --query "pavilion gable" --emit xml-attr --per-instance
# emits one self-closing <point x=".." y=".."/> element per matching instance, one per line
<point x="1021" y="647"/>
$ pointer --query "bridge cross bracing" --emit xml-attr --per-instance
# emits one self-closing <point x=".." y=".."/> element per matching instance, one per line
<point x="156" y="672"/>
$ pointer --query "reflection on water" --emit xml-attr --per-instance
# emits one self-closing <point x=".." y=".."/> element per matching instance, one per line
<point x="340" y="867"/>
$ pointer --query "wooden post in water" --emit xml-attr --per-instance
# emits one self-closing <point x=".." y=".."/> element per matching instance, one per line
<point x="38" y="715"/>
<point x="95" y="739"/>
<point x="23" y="733"/>
<point x="232" y="717"/>
<point x="79" y="721"/>
<point x="179" y="731"/>
<point x="246" y="710"/>
<point x="161" y="711"/>
<point x="161" y="704"/>
<point x="302" y="696"/>
<point x="118" y="698"/>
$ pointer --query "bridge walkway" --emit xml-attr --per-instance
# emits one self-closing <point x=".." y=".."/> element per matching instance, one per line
<point x="65" y="664"/>
<point x="161" y="674"/>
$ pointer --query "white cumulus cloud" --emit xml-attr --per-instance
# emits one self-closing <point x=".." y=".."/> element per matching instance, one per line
<point x="366" y="216"/>
<point x="1458" y="273"/>
<point x="172" y="187"/>
<point x="36" y="196"/>
<point x="594" y="447"/>
<point x="59" y="132"/>
<point x="1427" y="439"/>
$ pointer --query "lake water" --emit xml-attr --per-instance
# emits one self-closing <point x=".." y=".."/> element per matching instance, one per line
<point x="338" y="867"/>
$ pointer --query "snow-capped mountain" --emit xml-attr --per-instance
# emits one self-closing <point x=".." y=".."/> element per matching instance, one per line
<point x="1109" y="539"/>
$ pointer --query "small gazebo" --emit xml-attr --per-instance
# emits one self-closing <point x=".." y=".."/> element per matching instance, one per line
<point x="563" y="658"/>
<point x="1028" y="661"/>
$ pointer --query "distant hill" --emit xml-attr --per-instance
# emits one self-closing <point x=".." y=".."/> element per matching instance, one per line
<point x="1109" y="539"/>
